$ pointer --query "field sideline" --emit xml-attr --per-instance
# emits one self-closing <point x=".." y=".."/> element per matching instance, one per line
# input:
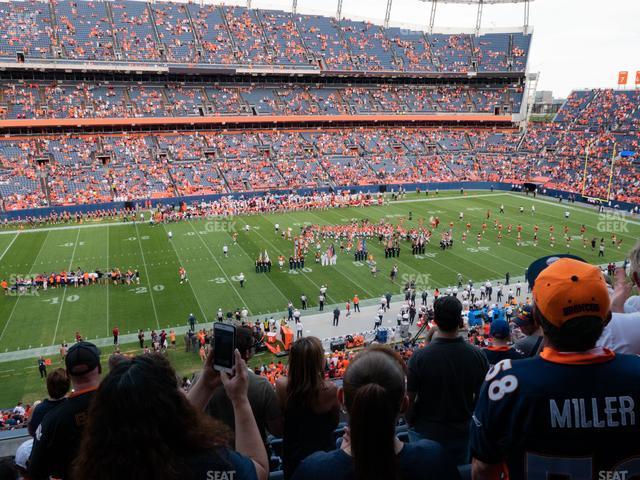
<point x="161" y="302"/>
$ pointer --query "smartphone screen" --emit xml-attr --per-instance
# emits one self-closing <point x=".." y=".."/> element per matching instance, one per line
<point x="223" y="346"/>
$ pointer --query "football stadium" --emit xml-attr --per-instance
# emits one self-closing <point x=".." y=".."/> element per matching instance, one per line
<point x="312" y="240"/>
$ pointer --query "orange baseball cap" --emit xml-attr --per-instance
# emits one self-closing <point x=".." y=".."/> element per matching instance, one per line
<point x="569" y="289"/>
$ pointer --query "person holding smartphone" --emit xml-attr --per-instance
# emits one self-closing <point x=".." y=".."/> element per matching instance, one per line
<point x="139" y="403"/>
<point x="261" y="395"/>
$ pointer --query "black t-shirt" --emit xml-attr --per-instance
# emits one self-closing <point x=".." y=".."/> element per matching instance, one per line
<point x="446" y="375"/>
<point x="262" y="398"/>
<point x="57" y="438"/>
<point x="496" y="354"/>
<point x="423" y="460"/>
<point x="40" y="411"/>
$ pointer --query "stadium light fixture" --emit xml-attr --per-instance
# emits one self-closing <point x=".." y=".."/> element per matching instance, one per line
<point x="480" y="5"/>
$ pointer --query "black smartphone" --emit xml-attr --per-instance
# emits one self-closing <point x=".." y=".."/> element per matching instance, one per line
<point x="224" y="346"/>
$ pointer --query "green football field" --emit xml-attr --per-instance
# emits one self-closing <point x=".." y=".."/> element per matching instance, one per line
<point x="160" y="301"/>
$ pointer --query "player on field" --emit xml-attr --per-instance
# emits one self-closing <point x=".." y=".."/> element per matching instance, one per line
<point x="225" y="251"/>
<point x="501" y="208"/>
<point x="170" y="234"/>
<point x="570" y="412"/>
<point x="183" y="275"/>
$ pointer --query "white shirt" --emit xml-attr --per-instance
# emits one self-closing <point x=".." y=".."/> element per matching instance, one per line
<point x="622" y="333"/>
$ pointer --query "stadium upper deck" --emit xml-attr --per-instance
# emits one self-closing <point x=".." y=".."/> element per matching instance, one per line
<point x="231" y="37"/>
<point x="81" y="169"/>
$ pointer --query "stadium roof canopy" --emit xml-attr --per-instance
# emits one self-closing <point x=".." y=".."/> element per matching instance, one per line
<point x="476" y="2"/>
<point x="479" y="5"/>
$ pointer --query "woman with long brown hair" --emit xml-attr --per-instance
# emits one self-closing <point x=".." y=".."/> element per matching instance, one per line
<point x="140" y="425"/>
<point x="374" y="395"/>
<point x="309" y="402"/>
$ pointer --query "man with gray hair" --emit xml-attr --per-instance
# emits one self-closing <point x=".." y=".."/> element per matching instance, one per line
<point x="622" y="333"/>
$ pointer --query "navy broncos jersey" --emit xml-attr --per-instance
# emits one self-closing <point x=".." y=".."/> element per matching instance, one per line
<point x="561" y="417"/>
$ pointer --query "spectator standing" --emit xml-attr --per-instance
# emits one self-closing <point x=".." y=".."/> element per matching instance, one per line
<point x="443" y="382"/>
<point x="532" y="343"/>
<point x="569" y="410"/>
<point x="299" y="330"/>
<point x="58" y="384"/>
<point x="262" y="397"/>
<point x="356" y="303"/>
<point x="309" y="402"/>
<point x="336" y="316"/>
<point x="622" y="333"/>
<point x="42" y="367"/>
<point x="57" y="439"/>
<point x="500" y="348"/>
<point x="374" y="395"/>
<point x="160" y="434"/>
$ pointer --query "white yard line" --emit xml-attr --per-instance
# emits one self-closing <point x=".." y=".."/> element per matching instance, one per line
<point x="446" y="266"/>
<point x="204" y="315"/>
<point x="66" y="287"/>
<point x="436" y="198"/>
<point x="136" y="222"/>
<point x="18" y="299"/>
<point x="146" y="274"/>
<point x="267" y="276"/>
<point x="108" y="269"/>
<point x="9" y="246"/>
<point x="219" y="266"/>
<point x="303" y="273"/>
<point x="580" y="208"/>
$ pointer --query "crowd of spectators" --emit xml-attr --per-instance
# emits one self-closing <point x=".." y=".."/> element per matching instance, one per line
<point x="232" y="35"/>
<point x="117" y="100"/>
<point x="82" y="169"/>
<point x="466" y="401"/>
